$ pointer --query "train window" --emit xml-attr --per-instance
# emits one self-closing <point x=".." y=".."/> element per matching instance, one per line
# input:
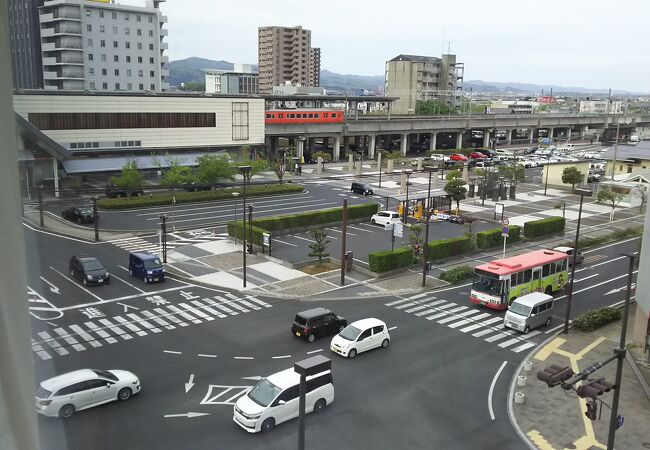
<point x="304" y="116"/>
<point x="316" y="116"/>
<point x="269" y="116"/>
<point x="311" y="116"/>
<point x="281" y="116"/>
<point x="326" y="115"/>
<point x="292" y="116"/>
<point x="333" y="115"/>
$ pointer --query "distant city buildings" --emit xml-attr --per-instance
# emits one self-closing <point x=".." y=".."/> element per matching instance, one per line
<point x="414" y="78"/>
<point x="285" y="55"/>
<point x="25" y="43"/>
<point x="600" y="106"/>
<point x="240" y="80"/>
<point x="103" y="46"/>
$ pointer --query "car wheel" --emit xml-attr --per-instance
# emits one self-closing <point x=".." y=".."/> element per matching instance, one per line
<point x="130" y="272"/>
<point x="146" y="280"/>
<point x="108" y="281"/>
<point x="79" y="220"/>
<point x="527" y="329"/>
<point x="548" y="321"/>
<point x="311" y="338"/>
<point x="320" y="405"/>
<point x="352" y="353"/>
<point x="72" y="273"/>
<point x="548" y="290"/>
<point x="268" y="424"/>
<point x="385" y="343"/>
<point x="124" y="394"/>
<point x="372" y="221"/>
<point x="66" y="411"/>
<point x="85" y="282"/>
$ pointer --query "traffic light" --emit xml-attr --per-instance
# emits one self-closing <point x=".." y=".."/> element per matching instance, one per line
<point x="554" y="375"/>
<point x="594" y="388"/>
<point x="592" y="409"/>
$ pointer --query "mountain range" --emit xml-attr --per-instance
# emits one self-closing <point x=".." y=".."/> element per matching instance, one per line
<point x="191" y="70"/>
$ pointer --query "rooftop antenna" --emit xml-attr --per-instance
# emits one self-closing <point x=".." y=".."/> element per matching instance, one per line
<point x="442" y="47"/>
<point x="448" y="47"/>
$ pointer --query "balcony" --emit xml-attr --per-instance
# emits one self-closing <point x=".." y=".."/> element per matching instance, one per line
<point x="48" y="47"/>
<point x="47" y="32"/>
<point x="164" y="32"/>
<point x="164" y="73"/>
<point x="164" y="46"/>
<point x="163" y="19"/>
<point x="50" y="75"/>
<point x="44" y="18"/>
<point x="49" y="61"/>
<point x="164" y="59"/>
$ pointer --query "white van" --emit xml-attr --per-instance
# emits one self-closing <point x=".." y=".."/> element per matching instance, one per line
<point x="275" y="399"/>
<point x="529" y="311"/>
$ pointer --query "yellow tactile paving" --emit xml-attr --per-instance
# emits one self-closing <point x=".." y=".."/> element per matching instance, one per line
<point x="539" y="441"/>
<point x="549" y="348"/>
<point x="590" y="347"/>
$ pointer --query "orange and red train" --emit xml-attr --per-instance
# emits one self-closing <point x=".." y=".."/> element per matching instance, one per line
<point x="303" y="116"/>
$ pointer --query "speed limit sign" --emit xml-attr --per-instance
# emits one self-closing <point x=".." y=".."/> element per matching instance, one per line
<point x="505" y="222"/>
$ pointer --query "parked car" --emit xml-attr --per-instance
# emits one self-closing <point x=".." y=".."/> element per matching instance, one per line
<point x="194" y="186"/>
<point x="458" y="157"/>
<point x="384" y="217"/>
<point x="477" y="155"/>
<point x="489" y="152"/>
<point x="528" y="163"/>
<point x="593" y="178"/>
<point x="317" y="322"/>
<point x="569" y="251"/>
<point x="79" y="214"/>
<point x="529" y="311"/>
<point x="439" y="157"/>
<point x="115" y="192"/>
<point x="361" y="336"/>
<point x="146" y="267"/>
<point x="360" y="188"/>
<point x="88" y="270"/>
<point x="65" y="394"/>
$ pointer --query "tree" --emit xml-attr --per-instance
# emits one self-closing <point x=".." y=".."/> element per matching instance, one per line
<point x="276" y="158"/>
<point x="610" y="197"/>
<point x="456" y="188"/>
<point x="319" y="246"/>
<point x="515" y="172"/>
<point x="212" y="169"/>
<point x="325" y="155"/>
<point x="452" y="175"/>
<point x="194" y="86"/>
<point x="130" y="178"/>
<point x="571" y="175"/>
<point x="414" y="238"/>
<point x="642" y="191"/>
<point x="176" y="174"/>
<point x="257" y="165"/>
<point x="432" y="107"/>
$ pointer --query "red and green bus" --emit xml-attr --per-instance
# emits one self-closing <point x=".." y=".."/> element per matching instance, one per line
<point x="498" y="283"/>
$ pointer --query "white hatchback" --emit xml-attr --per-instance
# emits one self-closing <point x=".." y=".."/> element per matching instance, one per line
<point x="81" y="389"/>
<point x="361" y="336"/>
<point x="384" y="217"/>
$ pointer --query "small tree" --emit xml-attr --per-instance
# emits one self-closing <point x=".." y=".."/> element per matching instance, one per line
<point x="319" y="246"/>
<point x="414" y="238"/>
<point x="456" y="188"/>
<point x="610" y="197"/>
<point x="571" y="175"/>
<point x="325" y="155"/>
<point x="130" y="178"/>
<point x="214" y="168"/>
<point x="176" y="174"/>
<point x="453" y="175"/>
<point x="642" y="189"/>
<point x="257" y="165"/>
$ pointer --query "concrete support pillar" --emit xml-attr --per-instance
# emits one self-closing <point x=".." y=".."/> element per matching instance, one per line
<point x="583" y="131"/>
<point x="568" y="134"/>
<point x="432" y="143"/>
<point x="486" y="138"/>
<point x="346" y="145"/>
<point x="531" y="135"/>
<point x="390" y="165"/>
<point x="371" y="147"/>
<point x="404" y="143"/>
<point x="386" y="141"/>
<point x="301" y="148"/>
<point x="350" y="162"/>
<point x="311" y="143"/>
<point x="459" y="140"/>
<point x="509" y="136"/>
<point x="420" y="164"/>
<point x="358" y="169"/>
<point x="402" y="181"/>
<point x="319" y="165"/>
<point x="551" y="131"/>
<point x="379" y="161"/>
<point x="435" y="178"/>
<point x="55" y="175"/>
<point x="465" y="171"/>
<point x="357" y="141"/>
<point x="337" y="149"/>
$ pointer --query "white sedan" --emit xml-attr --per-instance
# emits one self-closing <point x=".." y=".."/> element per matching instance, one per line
<point x="384" y="217"/>
<point x="361" y="336"/>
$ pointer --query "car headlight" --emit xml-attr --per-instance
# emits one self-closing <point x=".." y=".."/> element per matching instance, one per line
<point x="108" y="274"/>
<point x="135" y="382"/>
<point x="89" y="277"/>
<point x="149" y="272"/>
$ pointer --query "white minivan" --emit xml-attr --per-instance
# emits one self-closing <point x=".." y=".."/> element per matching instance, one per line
<point x="275" y="399"/>
<point x="361" y="336"/>
<point x="529" y="311"/>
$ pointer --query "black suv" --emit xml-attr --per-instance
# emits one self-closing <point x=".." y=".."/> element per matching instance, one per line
<point x="360" y="188"/>
<point x="317" y="322"/>
<point x="115" y="192"/>
<point x="81" y="214"/>
<point x="88" y="270"/>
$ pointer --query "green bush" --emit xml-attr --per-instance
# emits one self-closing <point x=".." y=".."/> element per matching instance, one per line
<point x="457" y="274"/>
<point x="544" y="227"/>
<point x="391" y="259"/>
<point x="446" y="248"/>
<point x="596" y="318"/>
<point x="591" y="241"/>
<point x="238" y="228"/>
<point x="191" y="197"/>
<point x="493" y="238"/>
<point x="312" y="218"/>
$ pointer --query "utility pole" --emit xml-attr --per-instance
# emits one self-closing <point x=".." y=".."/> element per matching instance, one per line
<point x="344" y="218"/>
<point x="40" y="206"/>
<point x="163" y="236"/>
<point x="95" y="219"/>
<point x="618" y="127"/>
<point x="426" y="233"/>
<point x="244" y="170"/>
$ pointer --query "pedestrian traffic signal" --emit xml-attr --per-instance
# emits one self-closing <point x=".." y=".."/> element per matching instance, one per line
<point x="554" y="375"/>
<point x="592" y="409"/>
<point x="594" y="388"/>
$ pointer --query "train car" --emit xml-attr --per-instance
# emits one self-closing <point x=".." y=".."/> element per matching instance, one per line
<point x="303" y="116"/>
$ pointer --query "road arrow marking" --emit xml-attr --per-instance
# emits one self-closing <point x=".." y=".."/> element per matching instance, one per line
<point x="257" y="378"/>
<point x="126" y="307"/>
<point x="624" y="288"/>
<point x="190" y="384"/>
<point x="53" y="288"/>
<point x="189" y="415"/>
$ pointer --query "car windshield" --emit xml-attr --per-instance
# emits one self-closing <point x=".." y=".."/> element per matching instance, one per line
<point x="264" y="392"/>
<point x="105" y="374"/>
<point x="43" y="393"/>
<point x="520" y="309"/>
<point x="152" y="264"/>
<point x="350" y="333"/>
<point x="300" y="320"/>
<point x="85" y="210"/>
<point x="487" y="284"/>
<point x="92" y="264"/>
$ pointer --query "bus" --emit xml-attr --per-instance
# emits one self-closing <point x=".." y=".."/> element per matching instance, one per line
<point x="498" y="283"/>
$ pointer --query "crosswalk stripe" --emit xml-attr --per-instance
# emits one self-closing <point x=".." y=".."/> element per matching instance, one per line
<point x="483" y="332"/>
<point x="417" y="308"/>
<point x="49" y="340"/>
<point x="397" y="302"/>
<point x="40" y="351"/>
<point x="249" y="305"/>
<point x="158" y="320"/>
<point x="447" y="306"/>
<point x="416" y="296"/>
<point x="493" y="320"/>
<point x="69" y="339"/>
<point x="88" y="338"/>
<point x="481" y="316"/>
<point x="460" y="308"/>
<point x="196" y="311"/>
<point x="235" y="305"/>
<point x="101" y="333"/>
<point x="259" y="302"/>
<point x="447" y="319"/>
<point x="471" y="328"/>
<point x="509" y="342"/>
<point x="208" y="309"/>
<point x="469" y="312"/>
<point x="496" y="337"/>
<point x="130" y="326"/>
<point x="523" y="347"/>
<point x="144" y="323"/>
<point x="435" y="316"/>
<point x="115" y="329"/>
<point x="532" y="333"/>
<point x="171" y="317"/>
<point x="221" y="307"/>
<point x="231" y="296"/>
<point x="183" y="314"/>
<point x="405" y="305"/>
<point x="459" y="323"/>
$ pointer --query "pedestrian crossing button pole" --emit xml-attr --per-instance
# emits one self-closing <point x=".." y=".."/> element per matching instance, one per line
<point x="163" y="236"/>
<point x="245" y="171"/>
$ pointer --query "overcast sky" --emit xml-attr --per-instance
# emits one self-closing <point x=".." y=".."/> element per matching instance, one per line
<point x="586" y="43"/>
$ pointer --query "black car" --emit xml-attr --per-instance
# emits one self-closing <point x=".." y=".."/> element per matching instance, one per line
<point x="88" y="270"/>
<point x="317" y="322"/>
<point x="360" y="188"/>
<point x="115" y="192"/>
<point x="79" y="214"/>
<point x="194" y="187"/>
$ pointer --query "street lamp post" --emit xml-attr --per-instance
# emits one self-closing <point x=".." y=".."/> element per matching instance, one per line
<point x="250" y="228"/>
<point x="406" y="203"/>
<point x="582" y="193"/>
<point x="235" y="195"/>
<point x="95" y="219"/>
<point x="426" y="233"/>
<point x="244" y="170"/>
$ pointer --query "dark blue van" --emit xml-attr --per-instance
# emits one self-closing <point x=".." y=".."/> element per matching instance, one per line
<point x="146" y="266"/>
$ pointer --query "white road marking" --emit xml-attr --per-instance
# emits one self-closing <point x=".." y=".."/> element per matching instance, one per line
<point x="392" y="328"/>
<point x="491" y="391"/>
<point x="281" y="357"/>
<point x="128" y="284"/>
<point x="523" y="347"/>
<point x="130" y="326"/>
<point x="285" y="243"/>
<point x="204" y="355"/>
<point x="101" y="300"/>
<point x="315" y="351"/>
<point x="119" y="299"/>
<point x="172" y="352"/>
<point x="69" y="339"/>
<point x="88" y="338"/>
<point x="244" y="357"/>
<point x="158" y="320"/>
<point x="101" y="333"/>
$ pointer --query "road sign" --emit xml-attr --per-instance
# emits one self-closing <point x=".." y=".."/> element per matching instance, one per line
<point x="266" y="239"/>
<point x="506" y="230"/>
<point x="398" y="230"/>
<point x="505" y="222"/>
<point x="388" y="226"/>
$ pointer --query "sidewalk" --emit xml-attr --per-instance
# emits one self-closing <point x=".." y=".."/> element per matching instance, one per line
<point x="552" y="418"/>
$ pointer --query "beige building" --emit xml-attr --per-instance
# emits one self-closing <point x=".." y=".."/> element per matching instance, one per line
<point x="285" y="55"/>
<point x="416" y="78"/>
<point x="552" y="173"/>
<point x="627" y="159"/>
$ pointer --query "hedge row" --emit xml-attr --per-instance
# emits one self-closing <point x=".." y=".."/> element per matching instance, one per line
<point x="236" y="229"/>
<point x="191" y="197"/>
<point x="492" y="238"/>
<point x="457" y="274"/>
<point x="445" y="248"/>
<point x="391" y="259"/>
<point x="596" y="318"/>
<point x="312" y="218"/>
<point x="544" y="227"/>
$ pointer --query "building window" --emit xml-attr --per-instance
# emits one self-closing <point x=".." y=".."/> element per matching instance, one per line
<point x="629" y="169"/>
<point x="150" y="19"/>
<point x="91" y="71"/>
<point x="153" y="87"/>
<point x="102" y="43"/>
<point x="117" y="72"/>
<point x="103" y="58"/>
<point x="90" y="56"/>
<point x="128" y="72"/>
<point x="114" y="15"/>
<point x="90" y="42"/>
<point x="89" y="27"/>
<point x="152" y="73"/>
<point x="141" y="87"/>
<point x="139" y="32"/>
<point x="92" y="85"/>
<point x="105" y="86"/>
<point x="116" y="120"/>
<point x="104" y="72"/>
<point x="150" y="33"/>
<point x="127" y="31"/>
<point x="117" y="86"/>
<point x="116" y="58"/>
<point x="128" y="59"/>
<point x="129" y="87"/>
<point x="140" y="73"/>
<point x="239" y="121"/>
<point x="127" y="45"/>
<point x="138" y="18"/>
<point x="139" y="45"/>
<point x="151" y="60"/>
<point x="126" y="16"/>
<point x="102" y="28"/>
<point x="114" y="30"/>
<point x="140" y="59"/>
<point x="101" y="14"/>
<point x="115" y="44"/>
<point x="150" y="46"/>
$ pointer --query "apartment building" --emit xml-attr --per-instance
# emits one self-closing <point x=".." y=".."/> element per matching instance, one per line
<point x="240" y="80"/>
<point x="25" y="43"/>
<point x="102" y="46"/>
<point x="285" y="55"/>
<point x="415" y="78"/>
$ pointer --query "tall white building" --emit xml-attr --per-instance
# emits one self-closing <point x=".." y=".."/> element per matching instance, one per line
<point x="240" y="80"/>
<point x="103" y="46"/>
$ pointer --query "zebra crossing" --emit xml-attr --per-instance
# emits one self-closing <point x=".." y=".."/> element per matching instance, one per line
<point x="175" y="239"/>
<point x="477" y="322"/>
<point x="63" y="340"/>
